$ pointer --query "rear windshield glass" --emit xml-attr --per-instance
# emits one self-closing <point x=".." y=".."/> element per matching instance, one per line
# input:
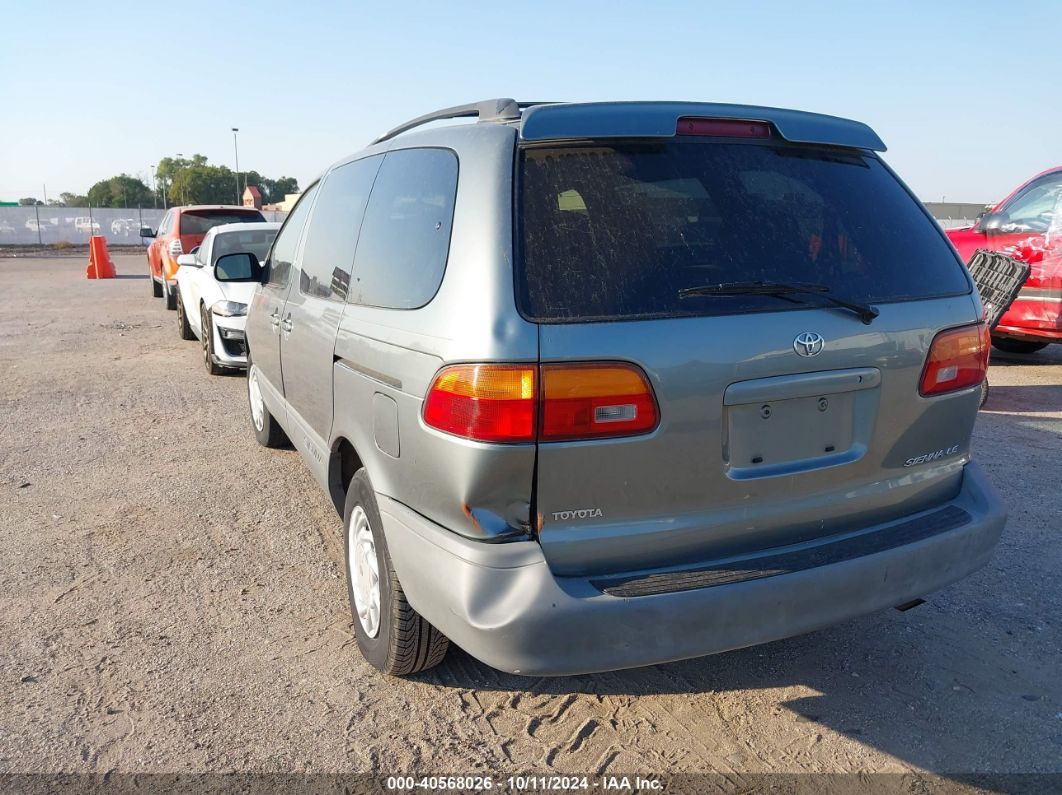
<point x="616" y="230"/>
<point x="199" y="222"/>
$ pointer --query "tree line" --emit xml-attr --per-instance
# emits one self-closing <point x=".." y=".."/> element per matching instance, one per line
<point x="178" y="180"/>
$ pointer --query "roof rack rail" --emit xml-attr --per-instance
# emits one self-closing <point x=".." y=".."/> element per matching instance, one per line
<point x="486" y="110"/>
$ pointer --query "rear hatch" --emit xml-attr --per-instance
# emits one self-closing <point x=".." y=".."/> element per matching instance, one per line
<point x="782" y="418"/>
<point x="196" y="223"/>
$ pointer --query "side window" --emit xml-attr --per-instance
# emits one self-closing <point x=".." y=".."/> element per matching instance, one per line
<point x="405" y="237"/>
<point x="202" y="252"/>
<point x="167" y="222"/>
<point x="283" y="252"/>
<point x="1036" y="207"/>
<point x="332" y="234"/>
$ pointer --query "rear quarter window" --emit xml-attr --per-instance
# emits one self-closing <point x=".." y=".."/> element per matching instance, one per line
<point x="616" y="230"/>
<point x="405" y="237"/>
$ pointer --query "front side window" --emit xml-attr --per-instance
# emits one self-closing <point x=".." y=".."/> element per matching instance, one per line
<point x="1036" y="207"/>
<point x="405" y="238"/>
<point x="284" y="248"/>
<point x="616" y="230"/>
<point x="332" y="234"/>
<point x="202" y="251"/>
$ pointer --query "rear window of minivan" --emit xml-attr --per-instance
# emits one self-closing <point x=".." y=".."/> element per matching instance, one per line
<point x="199" y="222"/>
<point x="615" y="230"/>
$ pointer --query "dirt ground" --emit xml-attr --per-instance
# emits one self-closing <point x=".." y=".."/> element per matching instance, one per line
<point x="171" y="600"/>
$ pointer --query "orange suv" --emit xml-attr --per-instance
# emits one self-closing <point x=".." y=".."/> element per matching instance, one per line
<point x="181" y="230"/>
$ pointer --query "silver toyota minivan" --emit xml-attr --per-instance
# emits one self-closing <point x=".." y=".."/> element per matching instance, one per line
<point x="602" y="385"/>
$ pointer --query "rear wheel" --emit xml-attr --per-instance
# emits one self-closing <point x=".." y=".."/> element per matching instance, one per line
<point x="183" y="328"/>
<point x="207" y="331"/>
<point x="266" y="429"/>
<point x="1017" y="346"/>
<point x="391" y="635"/>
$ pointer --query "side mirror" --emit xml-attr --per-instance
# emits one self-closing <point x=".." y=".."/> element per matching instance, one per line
<point x="147" y="231"/>
<point x="238" y="268"/>
<point x="187" y="259"/>
<point x="992" y="223"/>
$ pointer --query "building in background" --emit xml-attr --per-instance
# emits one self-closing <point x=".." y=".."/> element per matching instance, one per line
<point x="952" y="215"/>
<point x="284" y="206"/>
<point x="252" y="197"/>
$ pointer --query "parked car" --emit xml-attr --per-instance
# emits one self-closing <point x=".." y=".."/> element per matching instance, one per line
<point x="215" y="312"/>
<point x="125" y="226"/>
<point x="182" y="229"/>
<point x="1026" y="225"/>
<point x="87" y="226"/>
<point x="636" y="382"/>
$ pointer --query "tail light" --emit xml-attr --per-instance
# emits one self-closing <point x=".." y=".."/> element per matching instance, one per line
<point x="176" y="249"/>
<point x="958" y="358"/>
<point x="554" y="402"/>
<point x="589" y="401"/>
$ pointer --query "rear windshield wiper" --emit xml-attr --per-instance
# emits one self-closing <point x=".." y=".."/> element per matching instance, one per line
<point x="866" y="312"/>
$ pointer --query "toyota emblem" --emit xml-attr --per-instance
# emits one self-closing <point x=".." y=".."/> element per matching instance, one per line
<point x="809" y="344"/>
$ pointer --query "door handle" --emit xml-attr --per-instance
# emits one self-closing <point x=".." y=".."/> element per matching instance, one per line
<point x="286" y="324"/>
<point x="274" y="320"/>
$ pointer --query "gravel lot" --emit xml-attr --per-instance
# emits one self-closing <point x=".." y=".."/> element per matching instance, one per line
<point x="171" y="600"/>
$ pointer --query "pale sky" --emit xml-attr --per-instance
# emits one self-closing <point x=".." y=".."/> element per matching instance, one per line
<point x="965" y="94"/>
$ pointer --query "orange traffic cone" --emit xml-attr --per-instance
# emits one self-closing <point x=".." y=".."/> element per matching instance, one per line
<point x="99" y="264"/>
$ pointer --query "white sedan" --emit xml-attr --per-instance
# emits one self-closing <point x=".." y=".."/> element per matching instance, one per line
<point x="216" y="312"/>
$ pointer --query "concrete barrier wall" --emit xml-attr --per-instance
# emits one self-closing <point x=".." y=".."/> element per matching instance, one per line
<point x="30" y="226"/>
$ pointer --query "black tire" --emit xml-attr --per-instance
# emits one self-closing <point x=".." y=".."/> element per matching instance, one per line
<point x="169" y="295"/>
<point x="984" y="393"/>
<point x="1017" y="346"/>
<point x="405" y="642"/>
<point x="183" y="329"/>
<point x="156" y="288"/>
<point x="205" y="329"/>
<point x="270" y="434"/>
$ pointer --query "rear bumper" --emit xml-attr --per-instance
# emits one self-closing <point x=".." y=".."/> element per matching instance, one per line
<point x="501" y="603"/>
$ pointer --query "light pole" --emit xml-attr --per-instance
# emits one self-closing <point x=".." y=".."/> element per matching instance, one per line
<point x="236" y="147"/>
<point x="154" y="185"/>
<point x="180" y="156"/>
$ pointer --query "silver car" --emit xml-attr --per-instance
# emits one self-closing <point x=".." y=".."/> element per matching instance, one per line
<point x="601" y="385"/>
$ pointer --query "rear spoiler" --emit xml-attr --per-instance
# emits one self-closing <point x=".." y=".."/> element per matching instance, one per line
<point x="660" y="120"/>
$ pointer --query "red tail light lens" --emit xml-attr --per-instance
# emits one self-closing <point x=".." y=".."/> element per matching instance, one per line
<point x="485" y="402"/>
<point x="724" y="128"/>
<point x="504" y="403"/>
<point x="958" y="358"/>
<point x="590" y="401"/>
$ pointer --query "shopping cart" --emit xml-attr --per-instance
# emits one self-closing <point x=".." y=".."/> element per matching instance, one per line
<point x="998" y="279"/>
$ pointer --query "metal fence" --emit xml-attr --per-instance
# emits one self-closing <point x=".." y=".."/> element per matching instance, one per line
<point x="32" y="226"/>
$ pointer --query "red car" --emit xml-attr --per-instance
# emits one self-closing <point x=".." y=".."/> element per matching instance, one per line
<point x="181" y="230"/>
<point x="1026" y="225"/>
